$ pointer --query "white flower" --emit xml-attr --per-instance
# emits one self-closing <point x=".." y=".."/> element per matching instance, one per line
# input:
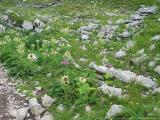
<point x="32" y="57"/>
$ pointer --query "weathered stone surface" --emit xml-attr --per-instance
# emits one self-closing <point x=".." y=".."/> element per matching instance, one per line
<point x="21" y="113"/>
<point x="113" y="111"/>
<point x="47" y="101"/>
<point x="111" y="91"/>
<point x="145" y="81"/>
<point x="36" y="108"/>
<point x="27" y="25"/>
<point x="157" y="69"/>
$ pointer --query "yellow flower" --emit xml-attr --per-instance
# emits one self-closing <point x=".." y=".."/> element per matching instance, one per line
<point x="32" y="57"/>
<point x="82" y="79"/>
<point x="67" y="54"/>
<point x="54" y="52"/>
<point x="20" y="48"/>
<point x="65" y="79"/>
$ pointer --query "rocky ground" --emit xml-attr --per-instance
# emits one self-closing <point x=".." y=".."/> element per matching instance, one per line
<point x="98" y="61"/>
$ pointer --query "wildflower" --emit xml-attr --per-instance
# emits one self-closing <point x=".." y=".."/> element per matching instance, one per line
<point x="53" y="52"/>
<point x="32" y="57"/>
<point x="65" y="79"/>
<point x="65" y="62"/>
<point x="67" y="54"/>
<point x="82" y="79"/>
<point x="20" y="48"/>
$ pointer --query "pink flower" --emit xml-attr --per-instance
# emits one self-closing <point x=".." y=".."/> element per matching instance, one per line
<point x="65" y="62"/>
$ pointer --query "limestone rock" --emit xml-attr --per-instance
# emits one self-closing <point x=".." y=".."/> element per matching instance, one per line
<point x="120" y="54"/>
<point x="157" y="69"/>
<point x="156" y="38"/>
<point x="112" y="91"/>
<point x="21" y="113"/>
<point x="113" y="111"/>
<point x="27" y="25"/>
<point x="36" y="108"/>
<point x="47" y="101"/>
<point x="145" y="81"/>
<point x="47" y="116"/>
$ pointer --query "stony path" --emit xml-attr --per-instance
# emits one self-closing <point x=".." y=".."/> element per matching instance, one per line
<point x="9" y="100"/>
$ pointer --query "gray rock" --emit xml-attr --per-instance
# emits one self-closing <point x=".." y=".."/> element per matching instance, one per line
<point x="145" y="81"/>
<point x="2" y="28"/>
<point x="111" y="91"/>
<point x="27" y="25"/>
<point x="125" y="34"/>
<point x="113" y="111"/>
<point x="36" y="108"/>
<point x="21" y="113"/>
<point x="107" y="31"/>
<point x="140" y="52"/>
<point x="152" y="64"/>
<point x="137" y="17"/>
<point x="47" y="101"/>
<point x="120" y="54"/>
<point x="152" y="47"/>
<point x="134" y="24"/>
<point x="139" y="60"/>
<point x="61" y="107"/>
<point x="120" y="21"/>
<point x="148" y="10"/>
<point x="157" y="69"/>
<point x="99" y="69"/>
<point x="47" y="116"/>
<point x="156" y="38"/>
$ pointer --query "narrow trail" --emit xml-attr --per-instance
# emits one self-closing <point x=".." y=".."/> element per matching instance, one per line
<point x="9" y="100"/>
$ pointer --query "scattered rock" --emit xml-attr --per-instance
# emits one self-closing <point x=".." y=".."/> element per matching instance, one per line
<point x="47" y="116"/>
<point x="21" y="113"/>
<point x="120" y="54"/>
<point x="2" y="28"/>
<point x="88" y="108"/>
<point x="47" y="101"/>
<point x="145" y="81"/>
<point x="99" y="69"/>
<point x="27" y="25"/>
<point x="152" y="64"/>
<point x="60" y="107"/>
<point x="114" y="111"/>
<point x="36" y="108"/>
<point x="147" y="10"/>
<point x="156" y="38"/>
<point x="157" y="69"/>
<point x="112" y="91"/>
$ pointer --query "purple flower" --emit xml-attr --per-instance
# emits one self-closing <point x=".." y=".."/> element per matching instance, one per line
<point x="65" y="62"/>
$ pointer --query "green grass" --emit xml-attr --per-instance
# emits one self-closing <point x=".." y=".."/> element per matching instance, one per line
<point x="62" y="38"/>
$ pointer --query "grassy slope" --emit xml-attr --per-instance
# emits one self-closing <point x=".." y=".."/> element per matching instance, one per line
<point x="138" y="107"/>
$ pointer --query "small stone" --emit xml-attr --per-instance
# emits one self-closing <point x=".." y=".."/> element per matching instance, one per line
<point x="88" y="108"/>
<point x="113" y="111"/>
<point x="140" y="52"/>
<point x="27" y="25"/>
<point x="21" y="113"/>
<point x="36" y="108"/>
<point x="13" y="112"/>
<point x="47" y="101"/>
<point x="120" y="54"/>
<point x="156" y="38"/>
<point x="152" y="47"/>
<point x="157" y="69"/>
<point x="148" y="10"/>
<point x="152" y="64"/>
<point x="145" y="81"/>
<point x="47" y="116"/>
<point x="60" y="107"/>
<point x="112" y="91"/>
